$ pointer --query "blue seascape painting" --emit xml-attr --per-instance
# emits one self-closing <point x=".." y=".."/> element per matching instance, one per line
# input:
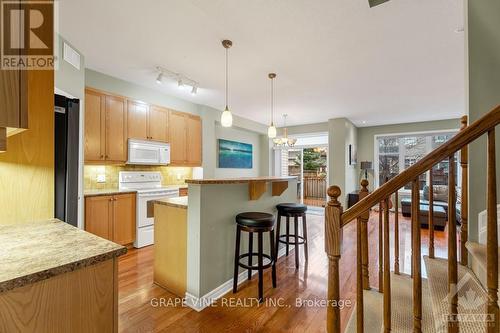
<point x="235" y="155"/>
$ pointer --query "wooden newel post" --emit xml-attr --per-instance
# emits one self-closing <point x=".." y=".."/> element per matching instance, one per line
<point x="333" y="244"/>
<point x="364" y="236"/>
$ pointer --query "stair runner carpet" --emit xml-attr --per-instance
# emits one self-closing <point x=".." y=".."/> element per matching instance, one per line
<point x="472" y="298"/>
<point x="401" y="308"/>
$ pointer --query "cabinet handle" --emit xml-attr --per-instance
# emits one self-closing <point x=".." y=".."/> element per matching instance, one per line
<point x="102" y="156"/>
<point x="107" y="156"/>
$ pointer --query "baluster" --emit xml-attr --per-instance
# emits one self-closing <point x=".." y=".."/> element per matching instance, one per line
<point x="452" y="248"/>
<point x="333" y="239"/>
<point x="431" y="215"/>
<point x="364" y="236"/>
<point x="396" y="233"/>
<point x="464" y="204"/>
<point x="416" y="259"/>
<point x="387" y="270"/>
<point x="359" y="278"/>
<point x="380" y="250"/>
<point x="492" y="237"/>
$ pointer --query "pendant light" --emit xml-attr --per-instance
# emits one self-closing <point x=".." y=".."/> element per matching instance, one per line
<point x="227" y="118"/>
<point x="271" y="131"/>
<point x="285" y="141"/>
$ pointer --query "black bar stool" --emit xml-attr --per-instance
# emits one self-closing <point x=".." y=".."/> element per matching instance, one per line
<point x="292" y="210"/>
<point x="255" y="222"/>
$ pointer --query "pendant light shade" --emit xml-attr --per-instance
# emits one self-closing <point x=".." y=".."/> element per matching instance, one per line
<point x="271" y="131"/>
<point x="226" y="118"/>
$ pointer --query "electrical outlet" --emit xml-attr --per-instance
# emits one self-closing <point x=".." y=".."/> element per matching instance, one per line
<point x="101" y="178"/>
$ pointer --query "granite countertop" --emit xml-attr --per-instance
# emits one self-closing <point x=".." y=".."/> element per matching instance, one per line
<point x="111" y="191"/>
<point x="178" y="202"/>
<point x="239" y="180"/>
<point x="107" y="191"/>
<point x="35" y="251"/>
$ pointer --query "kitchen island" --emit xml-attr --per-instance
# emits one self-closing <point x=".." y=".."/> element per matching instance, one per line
<point x="57" y="278"/>
<point x="210" y="230"/>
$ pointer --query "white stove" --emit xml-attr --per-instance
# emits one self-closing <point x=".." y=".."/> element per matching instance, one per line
<point x="148" y="186"/>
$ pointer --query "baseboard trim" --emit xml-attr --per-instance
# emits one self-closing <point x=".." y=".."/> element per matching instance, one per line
<point x="198" y="304"/>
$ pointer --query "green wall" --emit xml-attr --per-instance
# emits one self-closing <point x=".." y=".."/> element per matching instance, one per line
<point x="366" y="137"/>
<point x="483" y="33"/>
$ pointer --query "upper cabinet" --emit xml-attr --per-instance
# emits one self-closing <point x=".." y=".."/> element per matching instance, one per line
<point x="158" y="123"/>
<point x="105" y="128"/>
<point x="185" y="139"/>
<point x="13" y="104"/>
<point x="147" y="122"/>
<point x="111" y="120"/>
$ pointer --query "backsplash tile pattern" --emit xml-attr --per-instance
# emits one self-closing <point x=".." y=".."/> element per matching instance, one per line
<point x="171" y="175"/>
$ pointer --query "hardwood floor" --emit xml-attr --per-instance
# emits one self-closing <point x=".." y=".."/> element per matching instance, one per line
<point x="137" y="291"/>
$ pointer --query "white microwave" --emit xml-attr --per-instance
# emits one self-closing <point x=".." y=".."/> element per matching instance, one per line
<point x="148" y="152"/>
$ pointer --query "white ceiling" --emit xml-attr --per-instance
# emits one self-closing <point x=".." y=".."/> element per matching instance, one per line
<point x="402" y="61"/>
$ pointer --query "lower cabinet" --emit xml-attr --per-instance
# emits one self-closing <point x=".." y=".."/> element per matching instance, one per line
<point x="111" y="217"/>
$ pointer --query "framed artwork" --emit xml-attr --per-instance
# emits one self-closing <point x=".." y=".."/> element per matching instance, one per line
<point x="353" y="155"/>
<point x="234" y="155"/>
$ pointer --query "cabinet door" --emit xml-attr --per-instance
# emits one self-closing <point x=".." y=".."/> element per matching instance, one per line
<point x="116" y="134"/>
<point x="124" y="218"/>
<point x="98" y="216"/>
<point x="158" y="124"/>
<point x="193" y="140"/>
<point x="178" y="137"/>
<point x="137" y="120"/>
<point x="94" y="126"/>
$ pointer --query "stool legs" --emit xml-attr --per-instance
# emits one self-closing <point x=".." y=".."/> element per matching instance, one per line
<point x="274" y="255"/>
<point x="278" y="225"/>
<point x="287" y="232"/>
<point x="261" y="270"/>
<point x="304" y="234"/>
<point x="250" y="250"/>
<point x="296" y="232"/>
<point x="236" y="259"/>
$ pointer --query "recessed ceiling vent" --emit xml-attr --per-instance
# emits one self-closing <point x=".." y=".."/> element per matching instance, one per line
<point x="71" y="56"/>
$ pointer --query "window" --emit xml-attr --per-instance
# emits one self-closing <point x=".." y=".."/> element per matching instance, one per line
<point x="396" y="153"/>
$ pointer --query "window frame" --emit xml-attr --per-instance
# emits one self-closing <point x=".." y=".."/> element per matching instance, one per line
<point x="401" y="156"/>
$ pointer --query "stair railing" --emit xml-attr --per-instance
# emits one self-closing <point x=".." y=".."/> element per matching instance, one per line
<point x="336" y="219"/>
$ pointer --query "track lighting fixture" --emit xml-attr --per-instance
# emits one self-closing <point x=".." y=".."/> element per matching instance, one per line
<point x="182" y="80"/>
<point x="159" y="79"/>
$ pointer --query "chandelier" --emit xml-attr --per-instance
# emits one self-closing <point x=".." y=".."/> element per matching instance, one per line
<point x="284" y="141"/>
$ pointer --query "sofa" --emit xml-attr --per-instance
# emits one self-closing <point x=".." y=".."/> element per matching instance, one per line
<point x="440" y="206"/>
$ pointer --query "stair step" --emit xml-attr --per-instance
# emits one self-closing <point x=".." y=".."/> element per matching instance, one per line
<point x="478" y="262"/>
<point x="401" y="307"/>
<point x="472" y="298"/>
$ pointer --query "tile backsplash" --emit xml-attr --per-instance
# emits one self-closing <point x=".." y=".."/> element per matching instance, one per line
<point x="91" y="173"/>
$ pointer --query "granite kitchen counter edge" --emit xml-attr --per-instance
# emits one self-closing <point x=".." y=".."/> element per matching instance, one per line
<point x="112" y="191"/>
<point x="36" y="251"/>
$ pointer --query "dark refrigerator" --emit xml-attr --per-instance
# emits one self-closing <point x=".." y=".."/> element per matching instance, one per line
<point x="67" y="120"/>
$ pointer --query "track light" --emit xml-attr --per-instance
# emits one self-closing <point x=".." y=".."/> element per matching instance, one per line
<point x="180" y="83"/>
<point x="194" y="91"/>
<point x="159" y="79"/>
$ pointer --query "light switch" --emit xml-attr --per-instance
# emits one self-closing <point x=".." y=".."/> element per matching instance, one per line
<point x="101" y="178"/>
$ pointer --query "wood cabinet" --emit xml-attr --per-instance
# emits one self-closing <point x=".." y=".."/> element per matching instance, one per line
<point x="185" y="139"/>
<point x="13" y="103"/>
<point x="183" y="192"/>
<point x="147" y="122"/>
<point x="111" y="120"/>
<point x="111" y="217"/>
<point x="105" y="128"/>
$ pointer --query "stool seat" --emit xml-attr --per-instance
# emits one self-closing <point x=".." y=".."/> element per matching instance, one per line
<point x="255" y="219"/>
<point x="291" y="208"/>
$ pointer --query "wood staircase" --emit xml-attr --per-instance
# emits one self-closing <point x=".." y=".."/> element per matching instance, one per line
<point x="450" y="282"/>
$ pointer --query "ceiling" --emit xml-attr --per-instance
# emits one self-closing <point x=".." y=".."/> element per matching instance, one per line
<point x="399" y="62"/>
